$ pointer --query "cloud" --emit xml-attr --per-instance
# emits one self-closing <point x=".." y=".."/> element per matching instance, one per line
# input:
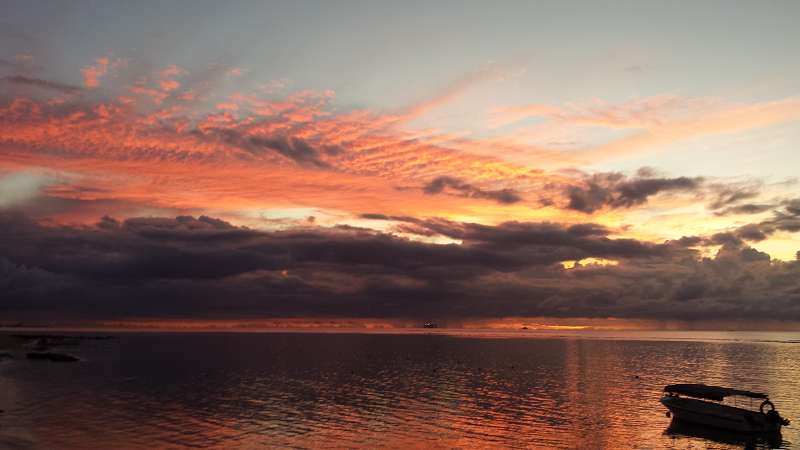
<point x="725" y="195"/>
<point x="793" y="207"/>
<point x="637" y="113"/>
<point x="293" y="148"/>
<point x="747" y="208"/>
<point x="451" y="92"/>
<point x="93" y="72"/>
<point x="20" y="187"/>
<point x="654" y="122"/>
<point x="220" y="159"/>
<point x="785" y="218"/>
<point x="42" y="84"/>
<point x="442" y="184"/>
<point x="615" y="190"/>
<point x="202" y="267"/>
<point x="707" y="122"/>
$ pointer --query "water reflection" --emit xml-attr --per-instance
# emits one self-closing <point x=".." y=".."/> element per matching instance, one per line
<point x="339" y="390"/>
<point x="680" y="429"/>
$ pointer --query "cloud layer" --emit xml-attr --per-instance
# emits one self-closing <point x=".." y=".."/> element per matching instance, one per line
<point x="442" y="184"/>
<point x="187" y="267"/>
<point x="354" y="212"/>
<point x="615" y="190"/>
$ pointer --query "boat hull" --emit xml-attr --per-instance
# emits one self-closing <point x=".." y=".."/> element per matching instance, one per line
<point x="719" y="416"/>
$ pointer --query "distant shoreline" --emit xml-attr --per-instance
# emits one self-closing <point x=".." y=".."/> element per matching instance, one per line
<point x="780" y="337"/>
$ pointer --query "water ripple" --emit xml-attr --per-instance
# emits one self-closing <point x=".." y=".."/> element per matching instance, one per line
<point x="377" y="391"/>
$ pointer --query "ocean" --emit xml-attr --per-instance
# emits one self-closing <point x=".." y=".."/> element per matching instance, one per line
<point x="422" y="389"/>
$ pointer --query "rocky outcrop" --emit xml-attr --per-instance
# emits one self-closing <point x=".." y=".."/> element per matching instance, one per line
<point x="50" y="356"/>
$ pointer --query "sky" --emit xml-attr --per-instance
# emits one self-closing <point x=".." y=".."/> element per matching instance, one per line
<point x="399" y="160"/>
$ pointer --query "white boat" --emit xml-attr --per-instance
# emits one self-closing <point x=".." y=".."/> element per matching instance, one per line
<point x="702" y="404"/>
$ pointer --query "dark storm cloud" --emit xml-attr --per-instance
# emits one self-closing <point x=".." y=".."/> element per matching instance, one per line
<point x="207" y="268"/>
<point x="615" y="190"/>
<point x="463" y="189"/>
<point x="42" y="84"/>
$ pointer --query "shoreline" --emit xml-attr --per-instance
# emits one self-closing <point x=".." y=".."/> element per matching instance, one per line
<point x="762" y="337"/>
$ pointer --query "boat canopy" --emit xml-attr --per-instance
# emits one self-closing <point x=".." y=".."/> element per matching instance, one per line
<point x="717" y="393"/>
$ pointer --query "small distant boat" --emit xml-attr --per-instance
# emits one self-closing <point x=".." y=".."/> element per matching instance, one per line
<point x="701" y="404"/>
<point x="430" y="325"/>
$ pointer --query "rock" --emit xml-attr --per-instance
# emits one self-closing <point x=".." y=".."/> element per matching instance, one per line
<point x="50" y="356"/>
<point x="61" y="337"/>
<point x="40" y="345"/>
<point x="45" y="342"/>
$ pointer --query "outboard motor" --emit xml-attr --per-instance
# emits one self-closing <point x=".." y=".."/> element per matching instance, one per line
<point x="772" y="414"/>
<point x="776" y="418"/>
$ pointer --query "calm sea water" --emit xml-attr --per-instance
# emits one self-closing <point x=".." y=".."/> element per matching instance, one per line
<point x="306" y="390"/>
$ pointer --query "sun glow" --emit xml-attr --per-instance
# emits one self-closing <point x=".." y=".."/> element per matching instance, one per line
<point x="588" y="262"/>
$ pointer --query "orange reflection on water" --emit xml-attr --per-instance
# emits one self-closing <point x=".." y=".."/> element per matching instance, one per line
<point x="310" y="390"/>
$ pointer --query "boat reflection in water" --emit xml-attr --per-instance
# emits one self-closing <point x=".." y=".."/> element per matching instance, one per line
<point x="681" y="429"/>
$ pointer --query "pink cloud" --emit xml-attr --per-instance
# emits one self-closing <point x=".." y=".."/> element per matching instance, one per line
<point x="169" y="85"/>
<point x="102" y="67"/>
<point x="227" y="106"/>
<point x="93" y="73"/>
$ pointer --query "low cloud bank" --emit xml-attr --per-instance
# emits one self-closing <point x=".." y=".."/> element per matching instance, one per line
<point x="206" y="268"/>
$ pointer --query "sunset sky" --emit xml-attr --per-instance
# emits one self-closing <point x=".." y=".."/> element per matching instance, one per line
<point x="399" y="160"/>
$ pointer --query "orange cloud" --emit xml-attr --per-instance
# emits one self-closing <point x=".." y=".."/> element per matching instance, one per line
<point x="727" y="120"/>
<point x="151" y="148"/>
<point x="92" y="73"/>
<point x="168" y="158"/>
<point x="169" y="85"/>
<point x="636" y="113"/>
<point x="657" y="121"/>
